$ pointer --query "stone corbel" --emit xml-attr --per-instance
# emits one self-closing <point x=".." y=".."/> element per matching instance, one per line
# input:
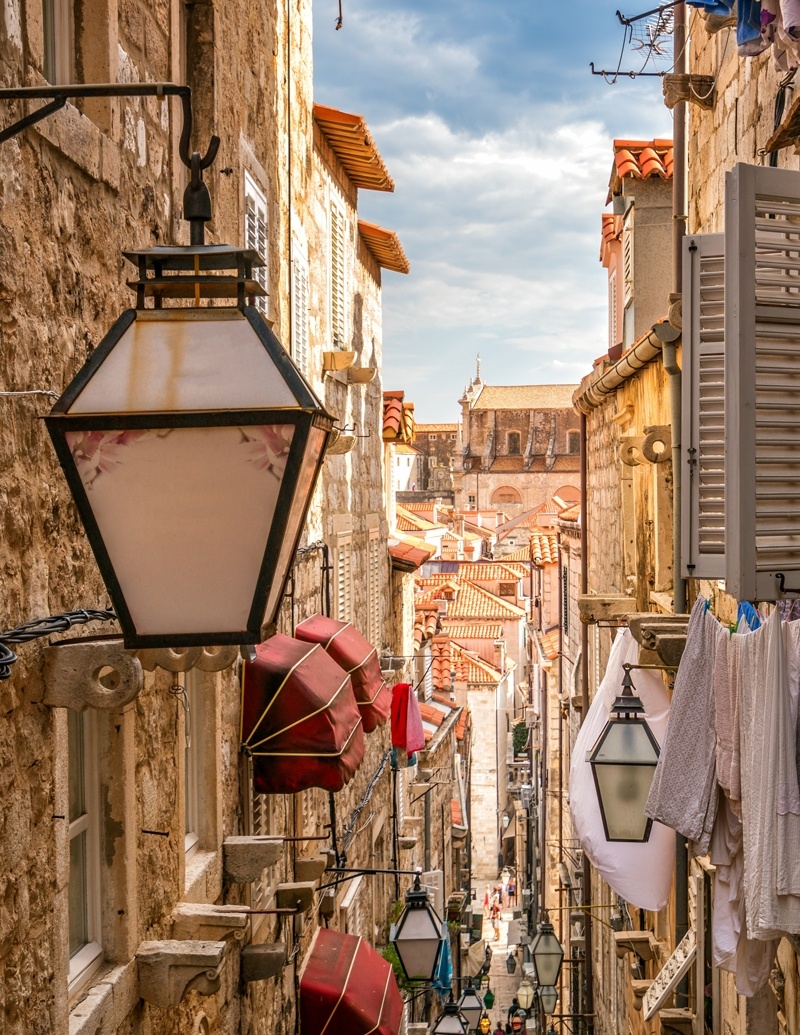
<point x="263" y="961"/>
<point x="643" y="943"/>
<point x="244" y="859"/>
<point x="183" y="659"/>
<point x="201" y="922"/>
<point x="657" y="443"/>
<point x="310" y="869"/>
<point x="91" y="674"/>
<point x="407" y="843"/>
<point x="604" y="607"/>
<point x="676" y="1021"/>
<point x="663" y="634"/>
<point x="297" y="895"/>
<point x="696" y="89"/>
<point x="630" y="450"/>
<point x="170" y="969"/>
<point x="639" y="987"/>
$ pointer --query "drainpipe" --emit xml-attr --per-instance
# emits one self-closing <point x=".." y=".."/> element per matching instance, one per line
<point x="679" y="219"/>
<point x="587" y="869"/>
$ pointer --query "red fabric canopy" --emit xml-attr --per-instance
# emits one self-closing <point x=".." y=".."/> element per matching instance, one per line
<point x="347" y="987"/>
<point x="358" y="658"/>
<point x="300" y="720"/>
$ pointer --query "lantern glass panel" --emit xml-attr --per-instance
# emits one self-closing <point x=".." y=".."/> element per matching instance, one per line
<point x="168" y="561"/>
<point x="525" y="995"/>
<point x="417" y="940"/>
<point x="628" y="740"/>
<point x="471" y="1005"/>
<point x="185" y="360"/>
<point x="547" y="955"/>
<point x="450" y="1022"/>
<point x="623" y="763"/>
<point x="548" y="996"/>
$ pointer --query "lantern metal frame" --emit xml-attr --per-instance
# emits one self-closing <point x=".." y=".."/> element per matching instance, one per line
<point x="309" y="414"/>
<point x="511" y="963"/>
<point x="526" y="995"/>
<point x="627" y="709"/>
<point x="548" y="998"/>
<point x="545" y="948"/>
<point x="470" y="1002"/>
<point x="417" y="899"/>
<point x="450" y="1021"/>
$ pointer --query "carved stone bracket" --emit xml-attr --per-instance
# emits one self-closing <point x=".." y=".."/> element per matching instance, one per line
<point x="183" y="659"/>
<point x="244" y="859"/>
<point x="696" y="89"/>
<point x="677" y="1021"/>
<point x="640" y="988"/>
<point x="663" y="634"/>
<point x="657" y="443"/>
<point x="297" y="895"/>
<point x="203" y="922"/>
<point x="310" y="869"/>
<point x="604" y="607"/>
<point x="630" y="450"/>
<point x="260" y="962"/>
<point x="170" y="969"/>
<point x="643" y="943"/>
<point x="406" y="843"/>
<point x="91" y="674"/>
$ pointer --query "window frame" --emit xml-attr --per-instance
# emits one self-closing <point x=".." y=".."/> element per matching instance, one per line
<point x="58" y="41"/>
<point x="257" y="238"/>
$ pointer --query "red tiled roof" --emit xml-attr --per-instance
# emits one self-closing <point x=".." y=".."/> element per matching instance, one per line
<point x="425" y="622"/>
<point x="408" y="522"/>
<point x="430" y="428"/>
<point x="410" y="551"/>
<point x="351" y="141"/>
<point x="471" y="668"/>
<point x="488" y="571"/>
<point x="641" y="159"/>
<point x="508" y="463"/>
<point x="455" y="813"/>
<point x="572" y="513"/>
<point x="549" y="644"/>
<point x="474" y="602"/>
<point x="398" y="418"/>
<point x="385" y="247"/>
<point x="459" y="631"/>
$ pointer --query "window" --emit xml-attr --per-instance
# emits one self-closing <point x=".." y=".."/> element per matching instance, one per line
<point x="338" y="272"/>
<point x="573" y="442"/>
<point x="432" y="438"/>
<point x="453" y="438"/>
<point x="59" y="41"/>
<point x="255" y="234"/>
<point x="374" y="588"/>
<point x="300" y="286"/>
<point x="514" y="443"/>
<point x="343" y="567"/>
<point x="471" y="500"/>
<point x="508" y="589"/>
<point x="191" y="708"/>
<point x="85" y="952"/>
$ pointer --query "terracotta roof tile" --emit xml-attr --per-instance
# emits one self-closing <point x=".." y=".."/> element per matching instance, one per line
<point x="425" y="623"/>
<point x="351" y="141"/>
<point x="572" y="513"/>
<point x="455" y="813"/>
<point x="488" y="571"/>
<point x="473" y="669"/>
<point x="385" y="247"/>
<point x="474" y="602"/>
<point x="459" y="631"/>
<point x="525" y="397"/>
<point x="410" y="551"/>
<point x="424" y="429"/>
<point x="508" y="463"/>
<point x="549" y="644"/>
<point x="408" y="522"/>
<point x="640" y="159"/>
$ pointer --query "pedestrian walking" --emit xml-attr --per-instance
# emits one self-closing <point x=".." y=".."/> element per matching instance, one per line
<point x="496" y="921"/>
<point x="511" y="891"/>
<point x="487" y="902"/>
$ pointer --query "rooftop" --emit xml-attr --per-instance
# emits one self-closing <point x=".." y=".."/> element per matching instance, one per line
<point x="525" y="397"/>
<point x="640" y="160"/>
<point x="424" y="429"/>
<point x="385" y="247"/>
<point x="352" y="143"/>
<point x="398" y="418"/>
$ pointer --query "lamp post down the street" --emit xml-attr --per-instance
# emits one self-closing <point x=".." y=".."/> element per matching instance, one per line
<point x="623" y="762"/>
<point x="417" y="936"/>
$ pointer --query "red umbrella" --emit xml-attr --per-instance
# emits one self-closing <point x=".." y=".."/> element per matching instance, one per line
<point x="298" y="707"/>
<point x="359" y="658"/>
<point x="346" y="986"/>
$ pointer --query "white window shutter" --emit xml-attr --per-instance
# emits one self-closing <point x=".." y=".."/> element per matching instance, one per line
<point x="300" y="287"/>
<point x="762" y="381"/>
<point x="255" y="234"/>
<point x="338" y="274"/>
<point x="613" y="316"/>
<point x="627" y="259"/>
<point x="703" y="405"/>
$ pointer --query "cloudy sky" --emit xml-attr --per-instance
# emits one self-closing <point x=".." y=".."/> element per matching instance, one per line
<point x="499" y="141"/>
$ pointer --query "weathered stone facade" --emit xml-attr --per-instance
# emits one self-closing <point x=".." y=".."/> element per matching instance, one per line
<point x="165" y="777"/>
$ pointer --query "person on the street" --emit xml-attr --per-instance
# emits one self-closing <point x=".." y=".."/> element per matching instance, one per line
<point x="487" y="902"/>
<point x="511" y="891"/>
<point x="499" y="1030"/>
<point x="514" y="1008"/>
<point x="496" y="921"/>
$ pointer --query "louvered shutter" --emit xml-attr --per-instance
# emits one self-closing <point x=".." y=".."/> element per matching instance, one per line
<point x="255" y="234"/>
<point x="703" y="431"/>
<point x="762" y="375"/>
<point x="338" y="235"/>
<point x="344" y="579"/>
<point x="300" y="283"/>
<point x="374" y="589"/>
<point x="627" y="259"/>
<point x="613" y="316"/>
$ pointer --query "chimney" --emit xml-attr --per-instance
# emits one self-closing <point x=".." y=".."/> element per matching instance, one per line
<point x="500" y="655"/>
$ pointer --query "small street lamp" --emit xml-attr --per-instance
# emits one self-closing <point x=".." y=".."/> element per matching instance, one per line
<point x="511" y="963"/>
<point x="547" y="954"/>
<point x="417" y="937"/>
<point x="488" y="999"/>
<point x="623" y="762"/>
<point x="525" y="995"/>
<point x="548" y="997"/>
<point x="484" y="1025"/>
<point x="450" y="1021"/>
<point x="471" y="1005"/>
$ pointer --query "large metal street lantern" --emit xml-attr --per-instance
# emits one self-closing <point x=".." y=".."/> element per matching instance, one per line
<point x="547" y="954"/>
<point x="450" y="1021"/>
<point x="471" y="1005"/>
<point x="192" y="444"/>
<point x="623" y="762"/>
<point x="417" y="936"/>
<point x="548" y="997"/>
<point x="525" y="995"/>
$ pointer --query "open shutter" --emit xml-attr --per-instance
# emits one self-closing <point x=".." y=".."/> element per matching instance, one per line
<point x="338" y="274"/>
<point x="300" y="286"/>
<point x="762" y="375"/>
<point x="255" y="234"/>
<point x="703" y="431"/>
